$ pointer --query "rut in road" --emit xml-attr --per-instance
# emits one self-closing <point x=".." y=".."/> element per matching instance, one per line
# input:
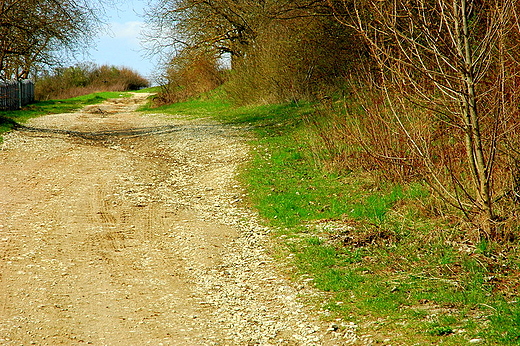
<point x="118" y="228"/>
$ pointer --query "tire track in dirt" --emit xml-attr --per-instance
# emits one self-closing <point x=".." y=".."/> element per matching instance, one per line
<point x="83" y="265"/>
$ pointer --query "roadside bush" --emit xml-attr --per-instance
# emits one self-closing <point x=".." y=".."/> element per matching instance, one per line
<point x="305" y="58"/>
<point x="361" y="131"/>
<point x="83" y="79"/>
<point x="189" y="74"/>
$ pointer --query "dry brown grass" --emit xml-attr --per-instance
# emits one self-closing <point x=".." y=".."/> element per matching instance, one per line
<point x="415" y="145"/>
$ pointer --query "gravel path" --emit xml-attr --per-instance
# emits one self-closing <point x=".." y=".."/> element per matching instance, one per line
<point x="118" y="228"/>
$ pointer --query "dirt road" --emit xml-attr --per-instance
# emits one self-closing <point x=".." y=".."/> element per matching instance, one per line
<point x="118" y="228"/>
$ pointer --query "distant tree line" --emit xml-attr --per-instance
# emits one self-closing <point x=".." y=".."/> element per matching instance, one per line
<point x="86" y="78"/>
<point x="415" y="89"/>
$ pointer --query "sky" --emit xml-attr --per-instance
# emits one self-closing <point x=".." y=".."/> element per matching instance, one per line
<point x="121" y="45"/>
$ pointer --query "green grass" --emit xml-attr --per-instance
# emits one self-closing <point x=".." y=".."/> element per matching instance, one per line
<point x="154" y="89"/>
<point x="200" y="107"/>
<point x="381" y="257"/>
<point x="9" y="119"/>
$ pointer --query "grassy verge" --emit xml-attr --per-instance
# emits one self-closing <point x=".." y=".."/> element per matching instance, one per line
<point x="9" y="119"/>
<point x="208" y="106"/>
<point x="383" y="260"/>
<point x="154" y="89"/>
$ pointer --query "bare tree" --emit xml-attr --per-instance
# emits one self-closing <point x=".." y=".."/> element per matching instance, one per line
<point x="222" y="25"/>
<point x="455" y="59"/>
<point x="36" y="32"/>
<point x="225" y="26"/>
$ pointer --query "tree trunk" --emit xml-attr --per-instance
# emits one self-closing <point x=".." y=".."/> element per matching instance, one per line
<point x="475" y="151"/>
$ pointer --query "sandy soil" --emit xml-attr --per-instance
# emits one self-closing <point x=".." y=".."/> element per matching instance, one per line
<point x="118" y="228"/>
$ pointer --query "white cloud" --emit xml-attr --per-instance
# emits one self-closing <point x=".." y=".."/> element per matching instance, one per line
<point x="128" y="30"/>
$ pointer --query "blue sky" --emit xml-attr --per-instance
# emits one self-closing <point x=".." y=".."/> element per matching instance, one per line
<point x="121" y="46"/>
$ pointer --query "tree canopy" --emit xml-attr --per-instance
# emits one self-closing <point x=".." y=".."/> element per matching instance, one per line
<point x="36" y="33"/>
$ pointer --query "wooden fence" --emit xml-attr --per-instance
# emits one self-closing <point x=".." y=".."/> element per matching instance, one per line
<point x="16" y="94"/>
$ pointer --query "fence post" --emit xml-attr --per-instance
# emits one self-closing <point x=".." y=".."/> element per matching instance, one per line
<point x="20" y="95"/>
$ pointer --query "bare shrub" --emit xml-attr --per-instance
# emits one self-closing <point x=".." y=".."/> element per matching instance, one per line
<point x="190" y="73"/>
<point x="115" y="78"/>
<point x="360" y="132"/>
<point x="353" y="133"/>
<point x="301" y="58"/>
<point x="454" y="61"/>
